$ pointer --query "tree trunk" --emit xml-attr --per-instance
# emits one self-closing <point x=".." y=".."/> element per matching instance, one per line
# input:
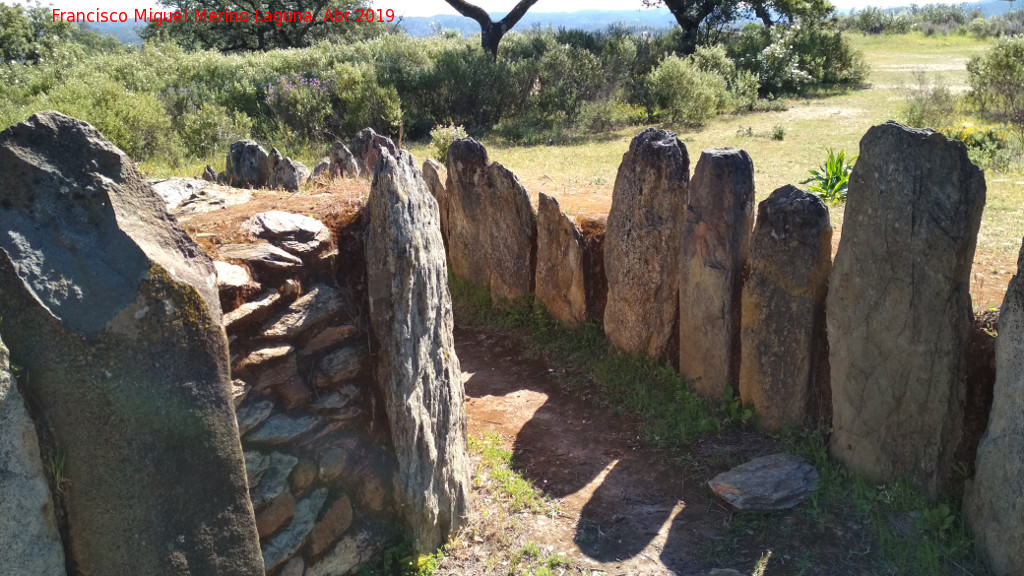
<point x="490" y="37"/>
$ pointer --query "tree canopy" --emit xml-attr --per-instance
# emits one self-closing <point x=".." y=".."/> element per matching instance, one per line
<point x="261" y="33"/>
<point x="703" y="17"/>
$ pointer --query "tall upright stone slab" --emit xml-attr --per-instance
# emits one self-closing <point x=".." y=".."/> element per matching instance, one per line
<point x="641" y="248"/>
<point x="435" y="175"/>
<point x="993" y="507"/>
<point x="28" y="527"/>
<point x="782" y="332"/>
<point x="366" y="149"/>
<point x="468" y="239"/>
<point x="899" y="309"/>
<point x="715" y="247"/>
<point x="513" y="234"/>
<point x="560" y="271"/>
<point x="417" y="370"/>
<point x="113" y="312"/>
<point x="491" y="229"/>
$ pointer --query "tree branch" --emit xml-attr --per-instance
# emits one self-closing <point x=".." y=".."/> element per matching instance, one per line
<point x="516" y="14"/>
<point x="475" y="12"/>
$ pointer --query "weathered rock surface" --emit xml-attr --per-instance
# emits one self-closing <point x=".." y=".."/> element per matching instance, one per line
<point x="312" y="310"/>
<point x="468" y="228"/>
<point x="275" y="515"/>
<point x="411" y="315"/>
<point x="260" y="256"/>
<point x="252" y="414"/>
<point x="336" y="520"/>
<point x="115" y="314"/>
<point x="354" y="549"/>
<point x="435" y="175"/>
<point x="284" y="545"/>
<point x="366" y="147"/>
<point x="560" y="273"/>
<point x="256" y="465"/>
<point x="232" y="277"/>
<point x="247" y="165"/>
<point x="339" y="366"/>
<point x="211" y="200"/>
<point x="28" y="528"/>
<point x="285" y="173"/>
<point x="343" y="163"/>
<point x="993" y="507"/>
<point x="641" y="247"/>
<point x="783" y="312"/>
<point x="300" y="235"/>
<point x="273" y="480"/>
<point x="715" y="248"/>
<point x="491" y="226"/>
<point x="899" y="309"/>
<point x="174" y="191"/>
<point x="322" y="168"/>
<point x="281" y="429"/>
<point x="771" y="482"/>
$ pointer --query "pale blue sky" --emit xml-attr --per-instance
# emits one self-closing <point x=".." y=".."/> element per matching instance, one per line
<point x="433" y="7"/>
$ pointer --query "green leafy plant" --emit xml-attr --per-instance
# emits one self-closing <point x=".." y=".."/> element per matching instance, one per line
<point x="734" y="408"/>
<point x="832" y="181"/>
<point x="441" y="137"/>
<point x="940" y="520"/>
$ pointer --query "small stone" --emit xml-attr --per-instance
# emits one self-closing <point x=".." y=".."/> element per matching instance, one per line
<point x="774" y="482"/>
<point x="334" y="523"/>
<point x="231" y="276"/>
<point x="303" y="476"/>
<point x="256" y="464"/>
<point x="322" y="168"/>
<point x="174" y="191"/>
<point x="372" y="493"/>
<point x="333" y="464"/>
<point x="209" y="174"/>
<point x="260" y="358"/>
<point x="294" y="393"/>
<point x="295" y="233"/>
<point x="251" y="313"/>
<point x="211" y="200"/>
<point x="272" y="372"/>
<point x="239" y="391"/>
<point x="328" y="337"/>
<point x="294" y="567"/>
<point x="252" y="414"/>
<point x="275" y="515"/>
<point x="274" y="480"/>
<point x="310" y="311"/>
<point x="339" y="366"/>
<point x="261" y="256"/>
<point x="336" y="400"/>
<point x="343" y="163"/>
<point x="354" y="549"/>
<point x="284" y="545"/>
<point x="281" y="429"/>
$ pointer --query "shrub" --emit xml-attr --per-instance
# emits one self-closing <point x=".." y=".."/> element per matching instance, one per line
<point x="359" y="101"/>
<point x="996" y="78"/>
<point x="212" y="128"/>
<point x="301" y="105"/>
<point x="441" y="137"/>
<point x="930" y="103"/>
<point x="681" y="92"/>
<point x="832" y="181"/>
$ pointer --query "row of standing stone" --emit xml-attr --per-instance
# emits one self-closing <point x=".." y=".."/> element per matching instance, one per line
<point x="876" y="341"/>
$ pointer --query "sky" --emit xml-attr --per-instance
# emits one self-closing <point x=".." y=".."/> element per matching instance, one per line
<point x="434" y="7"/>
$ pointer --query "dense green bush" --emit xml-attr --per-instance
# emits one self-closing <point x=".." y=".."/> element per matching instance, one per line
<point x="930" y="103"/>
<point x="212" y="128"/>
<point x="996" y="79"/>
<point x="681" y="92"/>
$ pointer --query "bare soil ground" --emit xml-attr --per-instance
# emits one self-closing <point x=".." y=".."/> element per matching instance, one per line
<point x="624" y="508"/>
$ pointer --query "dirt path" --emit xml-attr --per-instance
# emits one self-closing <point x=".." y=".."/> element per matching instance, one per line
<point x="624" y="510"/>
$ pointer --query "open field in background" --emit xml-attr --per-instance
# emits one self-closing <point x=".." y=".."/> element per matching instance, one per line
<point x="582" y="175"/>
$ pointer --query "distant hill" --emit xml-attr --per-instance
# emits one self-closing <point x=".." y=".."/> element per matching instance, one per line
<point x="126" y="32"/>
<point x="589" y="20"/>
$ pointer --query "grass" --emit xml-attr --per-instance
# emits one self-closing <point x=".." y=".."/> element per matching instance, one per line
<point x="884" y="529"/>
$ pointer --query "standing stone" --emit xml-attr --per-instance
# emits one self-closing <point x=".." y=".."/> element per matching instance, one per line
<point x="285" y="173"/>
<point x="366" y="147"/>
<point x="113" y="311"/>
<point x="715" y="247"/>
<point x="247" y="165"/>
<point x="411" y="315"/>
<point x="783" y="312"/>
<point x="560" y="282"/>
<point x="899" y="309"/>
<point x="435" y="175"/>
<point x="322" y="167"/>
<point x="468" y="236"/>
<point x="209" y="174"/>
<point x="343" y="163"/>
<point x="641" y="250"/>
<point x="513" y="234"/>
<point x="993" y="507"/>
<point x="28" y="528"/>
